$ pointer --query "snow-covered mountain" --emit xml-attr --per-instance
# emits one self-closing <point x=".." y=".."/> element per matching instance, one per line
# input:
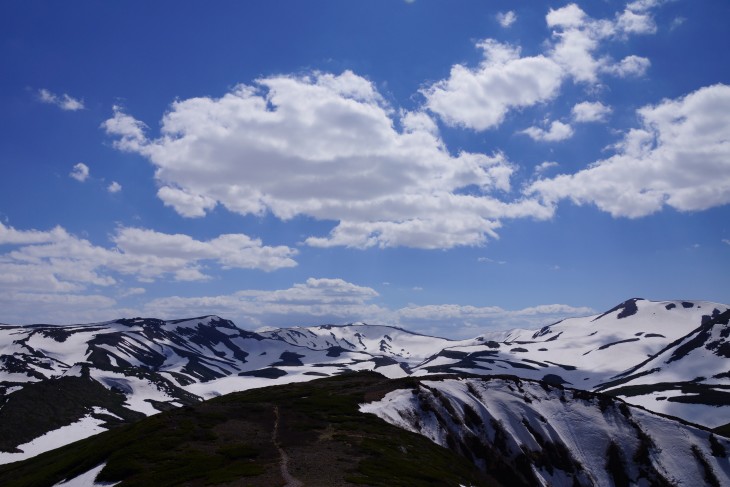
<point x="365" y="429"/>
<point x="148" y="365"/>
<point x="530" y="433"/>
<point x="679" y="344"/>
<point x="669" y="357"/>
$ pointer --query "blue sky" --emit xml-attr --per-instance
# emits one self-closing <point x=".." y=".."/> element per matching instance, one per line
<point x="449" y="167"/>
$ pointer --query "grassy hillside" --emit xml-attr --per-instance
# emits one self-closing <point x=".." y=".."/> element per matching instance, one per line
<point x="238" y="439"/>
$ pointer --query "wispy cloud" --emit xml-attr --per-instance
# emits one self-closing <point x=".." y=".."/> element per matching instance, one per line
<point x="320" y="301"/>
<point x="542" y="168"/>
<point x="677" y="22"/>
<point x="114" y="187"/>
<point x="491" y="261"/>
<point x="134" y="291"/>
<point x="64" y="102"/>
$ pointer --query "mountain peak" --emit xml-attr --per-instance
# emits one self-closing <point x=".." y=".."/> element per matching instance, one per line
<point x="627" y="308"/>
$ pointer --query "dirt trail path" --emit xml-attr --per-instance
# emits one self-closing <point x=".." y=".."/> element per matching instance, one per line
<point x="290" y="480"/>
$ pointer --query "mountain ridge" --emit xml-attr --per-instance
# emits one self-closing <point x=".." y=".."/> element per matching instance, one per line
<point x="343" y="431"/>
<point x="151" y="365"/>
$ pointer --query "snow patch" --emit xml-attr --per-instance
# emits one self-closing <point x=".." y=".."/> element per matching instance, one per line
<point x="83" y="428"/>
<point x="87" y="479"/>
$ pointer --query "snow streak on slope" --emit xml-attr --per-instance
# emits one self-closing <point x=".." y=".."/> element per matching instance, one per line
<point x="556" y="436"/>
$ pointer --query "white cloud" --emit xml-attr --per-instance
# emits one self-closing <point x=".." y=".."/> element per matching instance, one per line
<point x="39" y="307"/>
<point x="569" y="16"/>
<point x="590" y="112"/>
<point x="58" y="262"/>
<point x="636" y="22"/>
<point x="725" y="240"/>
<point x="491" y="261"/>
<point x="320" y="301"/>
<point x="635" y="66"/>
<point x="465" y="321"/>
<point x="679" y="157"/>
<point x="132" y="291"/>
<point x="644" y="5"/>
<point x="677" y="22"/>
<point x="542" y="168"/>
<point x="80" y="172"/>
<point x="186" y="203"/>
<point x="480" y="98"/>
<point x="558" y="131"/>
<point x="228" y="250"/>
<point x="114" y="187"/>
<point x="335" y="140"/>
<point x="11" y="236"/>
<point x="579" y="38"/>
<point x="64" y="102"/>
<point x="314" y="302"/>
<point x="506" y="19"/>
<point x="130" y="131"/>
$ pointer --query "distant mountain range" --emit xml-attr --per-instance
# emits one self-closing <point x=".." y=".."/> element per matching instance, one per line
<point x="59" y="384"/>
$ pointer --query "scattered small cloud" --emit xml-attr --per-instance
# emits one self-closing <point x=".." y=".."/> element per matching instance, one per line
<point x="555" y="133"/>
<point x="64" y="102"/>
<point x="677" y="22"/>
<point x="417" y="288"/>
<point x="80" y="172"/>
<point x="506" y="19"/>
<point x="649" y="169"/>
<point x="590" y="112"/>
<point x="725" y="240"/>
<point x="114" y="187"/>
<point x="579" y="38"/>
<point x="133" y="291"/>
<point x="491" y="261"/>
<point x="630" y="66"/>
<point x="541" y="169"/>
